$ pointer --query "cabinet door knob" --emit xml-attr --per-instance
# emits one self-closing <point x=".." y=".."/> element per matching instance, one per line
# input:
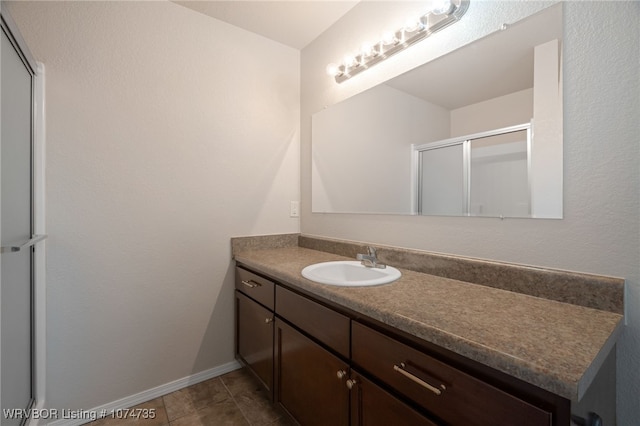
<point x="351" y="383"/>
<point x="268" y="320"/>
<point x="341" y="374"/>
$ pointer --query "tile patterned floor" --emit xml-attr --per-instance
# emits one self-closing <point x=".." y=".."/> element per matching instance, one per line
<point x="235" y="398"/>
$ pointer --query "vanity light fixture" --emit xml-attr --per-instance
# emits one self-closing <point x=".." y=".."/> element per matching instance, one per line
<point x="443" y="14"/>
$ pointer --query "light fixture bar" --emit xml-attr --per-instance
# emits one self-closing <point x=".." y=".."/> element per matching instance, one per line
<point x="448" y="12"/>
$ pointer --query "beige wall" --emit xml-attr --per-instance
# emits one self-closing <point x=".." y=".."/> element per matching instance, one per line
<point x="168" y="132"/>
<point x="504" y="111"/>
<point x="377" y="129"/>
<point x="546" y="156"/>
<point x="601" y="226"/>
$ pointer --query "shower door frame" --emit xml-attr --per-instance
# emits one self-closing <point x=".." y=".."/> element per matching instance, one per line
<point x="38" y="351"/>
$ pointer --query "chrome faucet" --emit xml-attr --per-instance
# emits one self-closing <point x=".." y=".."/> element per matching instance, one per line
<point x="370" y="260"/>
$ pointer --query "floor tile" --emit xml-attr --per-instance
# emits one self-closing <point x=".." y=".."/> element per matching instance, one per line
<point x="240" y="380"/>
<point x="224" y="413"/>
<point x="257" y="409"/>
<point x="235" y="399"/>
<point x="196" y="397"/>
<point x="252" y="399"/>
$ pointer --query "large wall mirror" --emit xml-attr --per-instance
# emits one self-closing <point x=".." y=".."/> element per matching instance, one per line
<point x="477" y="132"/>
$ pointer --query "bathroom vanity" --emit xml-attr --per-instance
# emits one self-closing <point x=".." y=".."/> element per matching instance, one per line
<point x="423" y="350"/>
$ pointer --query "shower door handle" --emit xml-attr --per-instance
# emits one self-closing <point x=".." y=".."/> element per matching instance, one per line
<point x="16" y="247"/>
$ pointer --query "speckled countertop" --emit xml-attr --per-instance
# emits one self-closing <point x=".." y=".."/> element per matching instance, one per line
<point x="556" y="346"/>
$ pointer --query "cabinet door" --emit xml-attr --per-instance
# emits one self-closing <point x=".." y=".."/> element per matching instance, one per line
<point x="310" y="382"/>
<point x="373" y="406"/>
<point x="254" y="338"/>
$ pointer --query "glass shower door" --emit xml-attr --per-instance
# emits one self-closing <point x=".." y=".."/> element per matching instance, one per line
<point x="16" y="291"/>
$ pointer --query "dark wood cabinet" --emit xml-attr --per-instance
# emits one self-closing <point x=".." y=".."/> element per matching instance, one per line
<point x="254" y="338"/>
<point x="450" y="394"/>
<point x="373" y="406"/>
<point x="254" y="324"/>
<point x="257" y="287"/>
<point x="310" y="382"/>
<point x="329" y="327"/>
<point x="329" y="366"/>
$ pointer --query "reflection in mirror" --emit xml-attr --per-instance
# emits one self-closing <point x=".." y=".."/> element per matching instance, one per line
<point x="442" y="189"/>
<point x="499" y="175"/>
<point x="485" y="174"/>
<point x="364" y="157"/>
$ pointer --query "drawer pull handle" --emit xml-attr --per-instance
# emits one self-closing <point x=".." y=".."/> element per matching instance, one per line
<point x="400" y="369"/>
<point x="251" y="283"/>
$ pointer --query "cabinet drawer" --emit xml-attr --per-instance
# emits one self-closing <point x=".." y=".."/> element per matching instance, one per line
<point x="450" y="394"/>
<point x="259" y="289"/>
<point x="324" y="324"/>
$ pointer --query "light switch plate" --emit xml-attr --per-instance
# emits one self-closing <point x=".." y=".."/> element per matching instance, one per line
<point x="294" y="209"/>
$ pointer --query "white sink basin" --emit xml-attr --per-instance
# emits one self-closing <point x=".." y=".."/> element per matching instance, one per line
<point x="349" y="273"/>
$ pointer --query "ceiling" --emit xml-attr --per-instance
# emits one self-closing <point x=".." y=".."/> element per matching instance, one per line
<point x="475" y="69"/>
<point x="294" y="23"/>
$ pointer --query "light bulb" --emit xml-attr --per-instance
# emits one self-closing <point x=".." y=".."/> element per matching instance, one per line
<point x="413" y="24"/>
<point x="333" y="69"/>
<point x="442" y="7"/>
<point x="367" y="50"/>
<point x="349" y="61"/>
<point x="389" y="37"/>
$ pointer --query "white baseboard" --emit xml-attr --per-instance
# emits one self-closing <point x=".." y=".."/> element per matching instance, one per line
<point x="149" y="394"/>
